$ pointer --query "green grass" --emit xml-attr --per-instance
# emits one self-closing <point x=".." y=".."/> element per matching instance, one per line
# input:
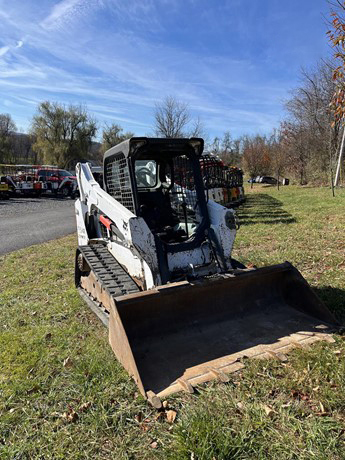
<point x="91" y="409"/>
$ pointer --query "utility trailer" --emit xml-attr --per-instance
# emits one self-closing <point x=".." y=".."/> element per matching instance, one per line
<point x="223" y="184"/>
<point x="35" y="180"/>
<point x="22" y="179"/>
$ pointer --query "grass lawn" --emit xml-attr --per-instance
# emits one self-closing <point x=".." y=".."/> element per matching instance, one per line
<point x="63" y="394"/>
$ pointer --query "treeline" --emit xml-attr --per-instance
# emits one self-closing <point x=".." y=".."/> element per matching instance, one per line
<point x="60" y="135"/>
<point x="304" y="147"/>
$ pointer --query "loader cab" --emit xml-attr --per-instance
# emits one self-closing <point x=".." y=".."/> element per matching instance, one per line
<point x="160" y="181"/>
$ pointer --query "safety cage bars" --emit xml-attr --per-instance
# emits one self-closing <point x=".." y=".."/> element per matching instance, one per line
<point x="118" y="182"/>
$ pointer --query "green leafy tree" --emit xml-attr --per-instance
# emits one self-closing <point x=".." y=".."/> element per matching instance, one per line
<point x="7" y="130"/>
<point x="63" y="134"/>
<point x="113" y="135"/>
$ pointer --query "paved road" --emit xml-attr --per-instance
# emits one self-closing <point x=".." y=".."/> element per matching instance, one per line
<point x="27" y="221"/>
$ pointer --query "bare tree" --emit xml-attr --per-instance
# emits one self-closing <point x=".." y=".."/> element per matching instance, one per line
<point x="277" y="154"/>
<point x="309" y="125"/>
<point x="22" y="146"/>
<point x="230" y="150"/>
<point x="198" y="129"/>
<point x="227" y="149"/>
<point x="256" y="155"/>
<point x="171" y="118"/>
<point x="294" y="143"/>
<point x="227" y="143"/>
<point x="216" y="146"/>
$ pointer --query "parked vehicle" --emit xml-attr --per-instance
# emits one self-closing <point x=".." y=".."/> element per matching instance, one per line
<point x="154" y="262"/>
<point x="268" y="180"/>
<point x="4" y="188"/>
<point x="33" y="180"/>
<point x="57" y="181"/>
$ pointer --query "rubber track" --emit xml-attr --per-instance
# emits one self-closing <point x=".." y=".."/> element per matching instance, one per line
<point x="108" y="271"/>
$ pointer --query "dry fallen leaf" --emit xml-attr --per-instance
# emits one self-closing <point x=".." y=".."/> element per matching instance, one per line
<point x="298" y="395"/>
<point x="154" y="444"/>
<point x="286" y="405"/>
<point x="250" y="265"/>
<point x="240" y="406"/>
<point x="273" y="393"/>
<point x="139" y="417"/>
<point x="145" y="427"/>
<point x="268" y="410"/>
<point x="70" y="416"/>
<point x="67" y="362"/>
<point x="159" y="415"/>
<point x="84" y="407"/>
<point x="171" y="415"/>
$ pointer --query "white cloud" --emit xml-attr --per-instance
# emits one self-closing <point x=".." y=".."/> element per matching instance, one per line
<point x="65" y="11"/>
<point x="3" y="50"/>
<point x="121" y="70"/>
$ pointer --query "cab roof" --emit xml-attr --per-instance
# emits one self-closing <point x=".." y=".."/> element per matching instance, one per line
<point x="130" y="146"/>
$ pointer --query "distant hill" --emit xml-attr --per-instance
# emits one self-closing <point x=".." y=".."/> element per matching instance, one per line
<point x="21" y="151"/>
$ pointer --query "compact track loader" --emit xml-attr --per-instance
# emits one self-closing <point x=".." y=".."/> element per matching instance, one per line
<point x="154" y="263"/>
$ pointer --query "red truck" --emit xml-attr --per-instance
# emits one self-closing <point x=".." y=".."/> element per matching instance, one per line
<point x="57" y="181"/>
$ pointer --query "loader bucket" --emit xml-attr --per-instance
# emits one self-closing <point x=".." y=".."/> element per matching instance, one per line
<point x="182" y="334"/>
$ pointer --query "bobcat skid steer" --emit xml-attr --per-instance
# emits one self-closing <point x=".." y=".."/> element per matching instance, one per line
<point x="154" y="263"/>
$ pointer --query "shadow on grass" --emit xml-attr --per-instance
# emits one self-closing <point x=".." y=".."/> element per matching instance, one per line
<point x="334" y="298"/>
<point x="263" y="209"/>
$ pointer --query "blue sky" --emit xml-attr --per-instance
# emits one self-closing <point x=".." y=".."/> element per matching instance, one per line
<point x="232" y="61"/>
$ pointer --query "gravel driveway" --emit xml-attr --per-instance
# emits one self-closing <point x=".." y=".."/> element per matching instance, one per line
<point x="28" y="221"/>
